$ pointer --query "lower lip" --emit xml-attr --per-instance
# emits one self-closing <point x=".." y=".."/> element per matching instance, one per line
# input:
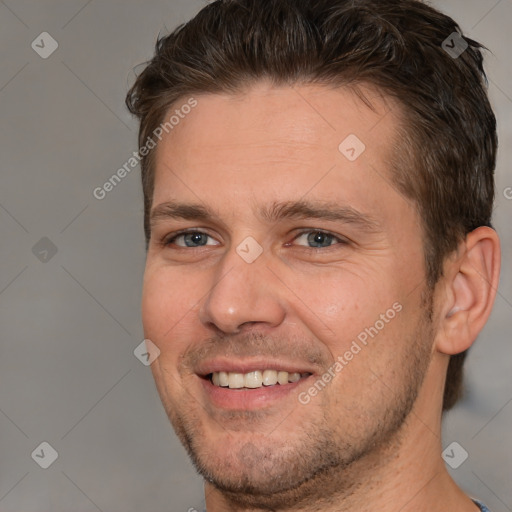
<point x="247" y="399"/>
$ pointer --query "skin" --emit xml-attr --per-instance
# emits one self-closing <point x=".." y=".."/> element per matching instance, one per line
<point x="370" y="439"/>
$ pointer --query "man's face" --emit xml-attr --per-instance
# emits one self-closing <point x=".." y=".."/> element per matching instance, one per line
<point x="266" y="280"/>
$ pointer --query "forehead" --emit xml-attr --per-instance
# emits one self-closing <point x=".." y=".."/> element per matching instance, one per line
<point x="300" y="117"/>
<point x="278" y="143"/>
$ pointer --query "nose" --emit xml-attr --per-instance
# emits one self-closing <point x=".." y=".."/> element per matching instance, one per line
<point x="242" y="293"/>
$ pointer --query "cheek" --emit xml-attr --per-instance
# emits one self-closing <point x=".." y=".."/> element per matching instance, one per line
<point x="353" y="316"/>
<point x="167" y="306"/>
<point x="345" y="302"/>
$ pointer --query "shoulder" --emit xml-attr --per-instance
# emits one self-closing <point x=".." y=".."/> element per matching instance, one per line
<point x="483" y="508"/>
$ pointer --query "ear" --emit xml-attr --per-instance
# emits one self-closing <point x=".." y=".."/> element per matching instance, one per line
<point x="470" y="286"/>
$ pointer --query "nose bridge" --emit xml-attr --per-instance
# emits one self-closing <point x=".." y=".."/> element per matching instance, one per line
<point x="243" y="291"/>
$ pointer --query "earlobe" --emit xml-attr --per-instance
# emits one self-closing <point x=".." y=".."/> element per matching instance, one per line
<point x="472" y="282"/>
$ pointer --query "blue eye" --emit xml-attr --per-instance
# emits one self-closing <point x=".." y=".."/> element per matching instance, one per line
<point x="319" y="239"/>
<point x="191" y="239"/>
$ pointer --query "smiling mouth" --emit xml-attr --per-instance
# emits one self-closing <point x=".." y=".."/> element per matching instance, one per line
<point x="255" y="379"/>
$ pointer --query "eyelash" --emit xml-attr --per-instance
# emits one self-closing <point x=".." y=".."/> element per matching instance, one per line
<point x="169" y="240"/>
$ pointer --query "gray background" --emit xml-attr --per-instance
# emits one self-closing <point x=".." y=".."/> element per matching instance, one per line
<point x="70" y="324"/>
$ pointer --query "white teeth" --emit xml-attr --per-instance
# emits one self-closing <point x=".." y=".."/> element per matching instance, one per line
<point x="293" y="377"/>
<point x="269" y="377"/>
<point x="255" y="379"/>
<point x="223" y="379"/>
<point x="282" y="377"/>
<point x="236" y="380"/>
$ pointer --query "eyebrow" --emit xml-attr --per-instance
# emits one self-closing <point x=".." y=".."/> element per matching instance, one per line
<point x="276" y="211"/>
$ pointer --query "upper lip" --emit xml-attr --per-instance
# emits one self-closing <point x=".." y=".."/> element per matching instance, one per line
<point x="248" y="365"/>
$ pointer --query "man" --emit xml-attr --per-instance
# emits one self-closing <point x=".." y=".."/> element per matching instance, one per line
<point x="318" y="187"/>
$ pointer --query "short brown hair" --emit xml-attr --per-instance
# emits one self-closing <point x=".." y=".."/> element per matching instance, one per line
<point x="447" y="153"/>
